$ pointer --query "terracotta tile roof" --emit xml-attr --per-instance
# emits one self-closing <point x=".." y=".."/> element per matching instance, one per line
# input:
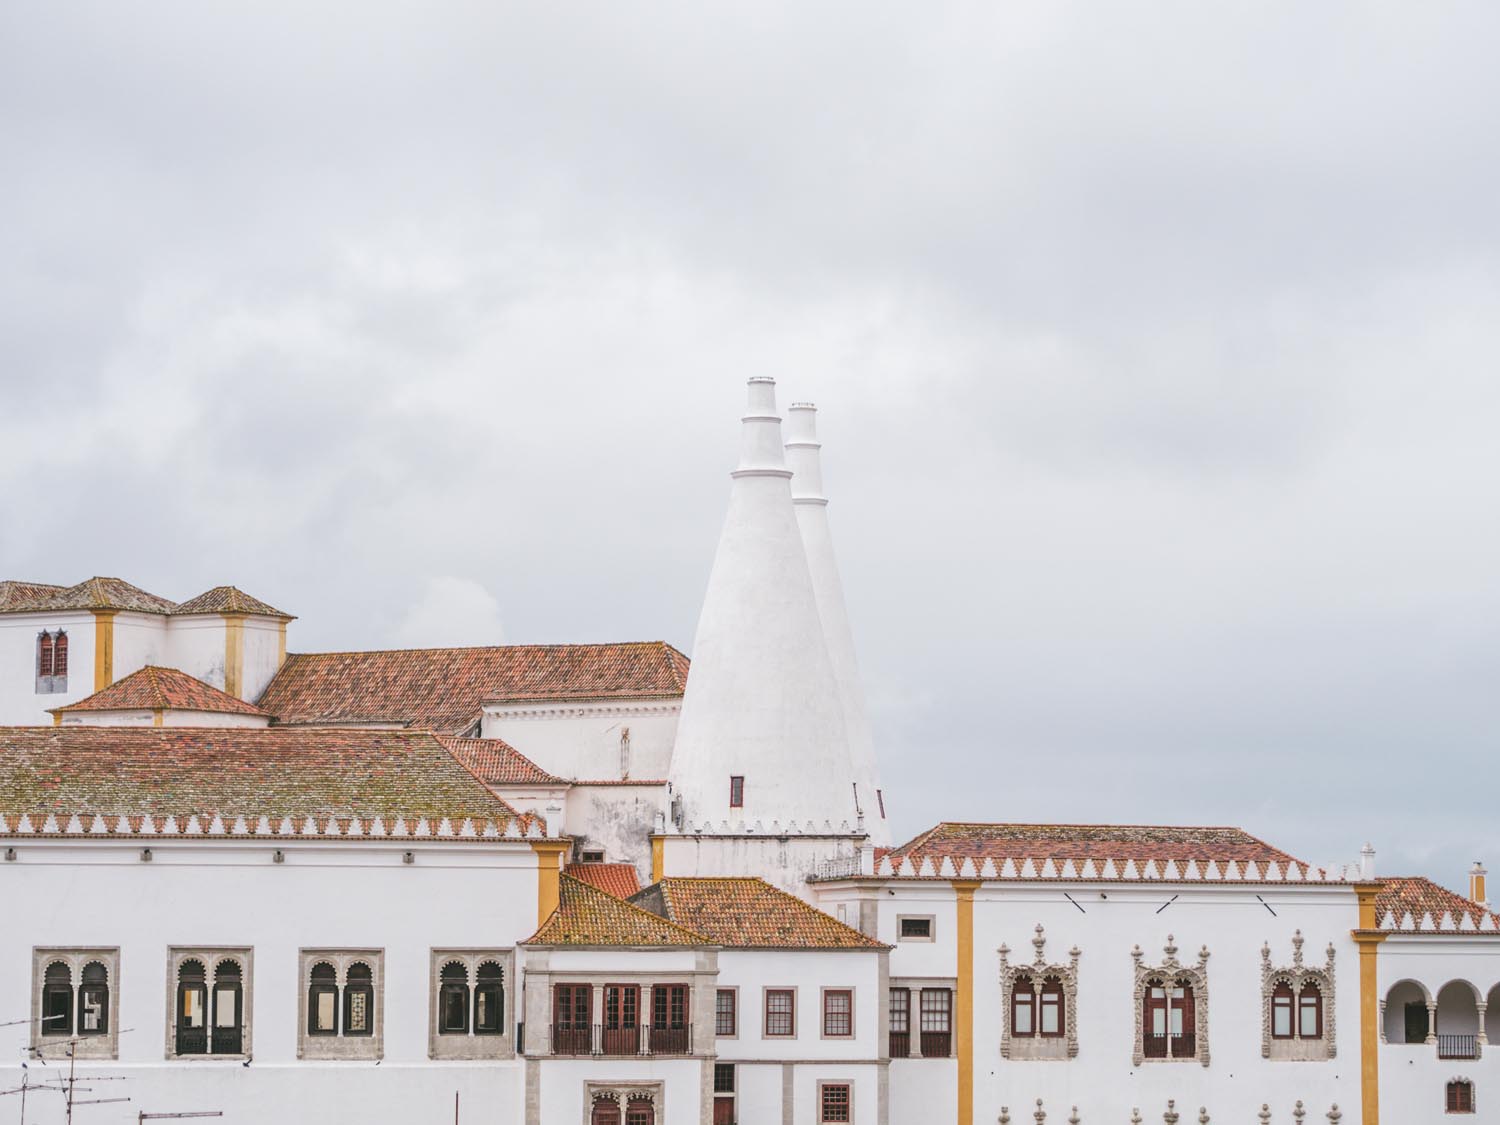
<point x="161" y="689"/>
<point x="749" y="913"/>
<point x="587" y="916"/>
<point x="1089" y="851"/>
<point x="306" y="775"/>
<point x="91" y="593"/>
<point x="19" y="597"/>
<point x="229" y="599"/>
<point x="496" y="762"/>
<point x="618" y="879"/>
<point x="445" y="688"/>
<point x="1414" y="904"/>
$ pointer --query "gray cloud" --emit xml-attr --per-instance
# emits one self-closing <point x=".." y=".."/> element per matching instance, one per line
<point x="1154" y="345"/>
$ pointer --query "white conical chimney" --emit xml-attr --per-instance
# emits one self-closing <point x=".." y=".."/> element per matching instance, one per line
<point x="803" y="454"/>
<point x="762" y="702"/>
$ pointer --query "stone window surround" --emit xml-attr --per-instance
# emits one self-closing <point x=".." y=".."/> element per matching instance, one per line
<point x="1473" y="1101"/>
<point x="931" y="927"/>
<point x="622" y="1092"/>
<point x="1297" y="1048"/>
<point x="105" y="1046"/>
<point x="848" y="1084"/>
<point x="1172" y="968"/>
<point x="340" y="1046"/>
<point x="56" y="683"/>
<point x="210" y="955"/>
<point x="823" y="1011"/>
<point x="469" y="1045"/>
<point x="1060" y="1047"/>
<point x="914" y="985"/>
<point x="735" y="990"/>
<point x="765" y="994"/>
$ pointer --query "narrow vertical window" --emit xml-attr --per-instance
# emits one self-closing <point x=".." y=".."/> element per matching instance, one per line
<point x="726" y="1019"/>
<point x="44" y="654"/>
<point x="192" y="1008"/>
<point x="937" y="1022"/>
<point x="736" y="792"/>
<point x="838" y="1013"/>
<point x="669" y="1019"/>
<point x="359" y="1000"/>
<point x="1281" y="1011"/>
<point x="781" y="1012"/>
<point x="453" y="1000"/>
<point x="880" y="800"/>
<point x="640" y="1111"/>
<point x="323" y="1000"/>
<point x="900" y="1032"/>
<point x="571" y="1014"/>
<point x="57" y="1000"/>
<point x="93" y="1000"/>
<point x="1310" y="1012"/>
<point x="489" y="1000"/>
<point x="1022" y="1007"/>
<point x="229" y="1009"/>
<point x="1051" y="1021"/>
<point x="60" y="658"/>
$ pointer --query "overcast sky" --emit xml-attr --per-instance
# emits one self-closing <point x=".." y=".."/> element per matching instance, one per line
<point x="1155" y="344"/>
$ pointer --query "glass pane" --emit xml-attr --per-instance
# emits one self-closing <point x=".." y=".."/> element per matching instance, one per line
<point x="1281" y="1018"/>
<point x="359" y="1011"/>
<point x="93" y="1012"/>
<point x="1309" y="1029"/>
<point x="1050" y="1018"/>
<point x="225" y="1003"/>
<point x="1023" y="1016"/>
<point x="192" y="1007"/>
<point x="326" y="1016"/>
<point x="1158" y="1021"/>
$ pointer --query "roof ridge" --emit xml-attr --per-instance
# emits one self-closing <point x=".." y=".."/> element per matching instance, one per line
<point x="484" y="648"/>
<point x="580" y="886"/>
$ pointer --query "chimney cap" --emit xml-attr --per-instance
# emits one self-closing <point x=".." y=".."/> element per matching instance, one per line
<point x="802" y="406"/>
<point x="762" y="379"/>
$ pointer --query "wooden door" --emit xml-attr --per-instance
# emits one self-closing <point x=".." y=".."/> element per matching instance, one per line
<point x="723" y="1111"/>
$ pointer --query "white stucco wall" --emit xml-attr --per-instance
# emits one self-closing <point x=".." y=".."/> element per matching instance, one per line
<point x="325" y="894"/>
<point x="196" y="646"/>
<point x="262" y="655"/>
<point x="783" y="861"/>
<point x="169" y="719"/>
<point x="20" y="705"/>
<point x="140" y="639"/>
<point x="581" y="741"/>
<point x="617" y="818"/>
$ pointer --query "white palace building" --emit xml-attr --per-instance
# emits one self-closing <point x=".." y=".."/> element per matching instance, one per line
<point x="577" y="885"/>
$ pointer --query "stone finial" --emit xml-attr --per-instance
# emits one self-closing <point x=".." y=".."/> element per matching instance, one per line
<point x="1039" y="943"/>
<point x="1298" y="1112"/>
<point x="1073" y="1118"/>
<point x="1334" y="1115"/>
<point x="1202" y="1115"/>
<point x="1135" y="1115"/>
<point x="1170" y="949"/>
<point x="1171" y="1115"/>
<point x="1297" y="949"/>
<point x="1005" y="1115"/>
<point x="1040" y="1114"/>
<point x="1264" y="1114"/>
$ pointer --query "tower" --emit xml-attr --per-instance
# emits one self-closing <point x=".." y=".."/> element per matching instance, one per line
<point x="762" y="703"/>
<point x="804" y="458"/>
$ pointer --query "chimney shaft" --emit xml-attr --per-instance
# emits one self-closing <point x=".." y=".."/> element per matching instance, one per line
<point x="1476" y="883"/>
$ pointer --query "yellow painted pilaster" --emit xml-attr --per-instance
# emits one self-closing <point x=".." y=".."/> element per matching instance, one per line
<point x="549" y="855"/>
<point x="281" y="644"/>
<point x="57" y="718"/>
<point x="104" y="648"/>
<point x="158" y="716"/>
<point x="234" y="653"/>
<point x="1368" y="938"/>
<point x="658" y="858"/>
<point x="963" y="1002"/>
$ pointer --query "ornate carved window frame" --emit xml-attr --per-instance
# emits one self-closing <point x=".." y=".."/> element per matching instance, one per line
<point x="621" y="1093"/>
<point x="1295" y="977"/>
<point x="1039" y="1047"/>
<point x="1170" y="966"/>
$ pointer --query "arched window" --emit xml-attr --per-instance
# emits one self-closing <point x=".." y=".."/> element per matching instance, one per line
<point x="640" y="1111"/>
<point x="44" y="654"/>
<point x="192" y="1009"/>
<point x="229" y="1014"/>
<point x="323" y="1000"/>
<point x="93" y="1000"/>
<point x="60" y="655"/>
<point x="359" y="1000"/>
<point x="1050" y="1019"/>
<point x="489" y="1000"/>
<point x="1023" y="1007"/>
<point x="1460" y="1096"/>
<point x="1310" y="1012"/>
<point x="606" y="1112"/>
<point x="453" y="1000"/>
<point x="57" y="1000"/>
<point x="1281" y="1011"/>
<point x="1169" y="1020"/>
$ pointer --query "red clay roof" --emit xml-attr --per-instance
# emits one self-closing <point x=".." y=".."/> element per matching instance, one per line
<point x="91" y="593"/>
<point x="496" y="762"/>
<point x="1415" y="904"/>
<point x="749" y="913"/>
<point x="618" y="879"/>
<point x="445" y="688"/>
<point x="1120" y="843"/>
<point x="161" y="689"/>
<point x="19" y="597"/>
<point x="587" y="916"/>
<point x="229" y="599"/>
<point x="160" y="771"/>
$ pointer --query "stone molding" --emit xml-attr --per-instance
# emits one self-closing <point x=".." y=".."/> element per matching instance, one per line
<point x="1171" y="968"/>
<point x="1036" y="1047"/>
<point x="340" y="1046"/>
<point x="106" y="1046"/>
<point x="210" y="956"/>
<point x="468" y="1045"/>
<point x="1296" y="975"/>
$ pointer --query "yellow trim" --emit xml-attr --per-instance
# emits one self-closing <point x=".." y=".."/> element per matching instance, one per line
<point x="157" y="717"/>
<point x="104" y="648"/>
<point x="57" y="718"/>
<point x="658" y="858"/>
<point x="963" y="1002"/>
<point x="1368" y="938"/>
<point x="280" y="644"/>
<point x="234" y="653"/>
<point x="549" y="855"/>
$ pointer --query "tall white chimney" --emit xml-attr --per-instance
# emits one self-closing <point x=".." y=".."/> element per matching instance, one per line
<point x="804" y="458"/>
<point x="762" y="703"/>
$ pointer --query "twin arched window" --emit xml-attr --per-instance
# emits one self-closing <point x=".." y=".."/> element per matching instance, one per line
<point x="58" y="997"/>
<point x="210" y="1021"/>
<point x="51" y="662"/>
<point x="639" y="1110"/>
<point x="1170" y="1013"/>
<point x="1037" y="1010"/>
<point x="323" y="1001"/>
<point x="1296" y="1015"/>
<point x="488" y="1000"/>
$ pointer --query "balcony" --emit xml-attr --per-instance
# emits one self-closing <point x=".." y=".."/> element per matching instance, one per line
<point x="900" y="1044"/>
<point x="621" y="1042"/>
<point x="1172" y="1045"/>
<point x="1457" y="1046"/>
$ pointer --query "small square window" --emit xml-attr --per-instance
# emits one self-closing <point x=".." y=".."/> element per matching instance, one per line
<point x="723" y="1078"/>
<point x="736" y="792"/>
<point x="1460" y="1096"/>
<point x="593" y="857"/>
<point x="917" y="928"/>
<point x="835" y="1102"/>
